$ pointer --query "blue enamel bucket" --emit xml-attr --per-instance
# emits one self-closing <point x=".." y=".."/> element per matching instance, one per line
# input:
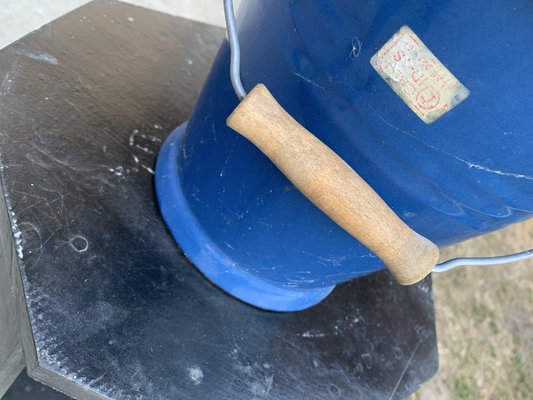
<point x="466" y="171"/>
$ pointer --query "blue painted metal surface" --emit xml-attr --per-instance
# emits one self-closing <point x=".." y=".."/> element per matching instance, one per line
<point x="468" y="173"/>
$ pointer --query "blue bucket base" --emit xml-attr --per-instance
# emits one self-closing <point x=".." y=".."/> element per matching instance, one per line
<point x="206" y="255"/>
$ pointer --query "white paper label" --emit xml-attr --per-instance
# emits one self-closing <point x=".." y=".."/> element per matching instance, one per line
<point x="417" y="76"/>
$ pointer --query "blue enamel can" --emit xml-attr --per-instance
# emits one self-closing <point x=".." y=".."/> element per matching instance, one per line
<point x="470" y="171"/>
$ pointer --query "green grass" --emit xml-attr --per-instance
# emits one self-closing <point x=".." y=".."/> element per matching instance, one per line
<point x="462" y="389"/>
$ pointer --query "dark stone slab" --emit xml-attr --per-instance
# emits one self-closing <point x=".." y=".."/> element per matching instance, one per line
<point x="110" y="307"/>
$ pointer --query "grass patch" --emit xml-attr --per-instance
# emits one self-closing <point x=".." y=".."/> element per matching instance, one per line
<point x="463" y="389"/>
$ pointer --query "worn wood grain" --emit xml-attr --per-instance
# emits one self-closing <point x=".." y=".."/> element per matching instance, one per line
<point x="333" y="186"/>
<point x="11" y="358"/>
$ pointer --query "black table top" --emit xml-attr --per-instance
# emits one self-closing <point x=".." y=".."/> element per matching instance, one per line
<point x="110" y="307"/>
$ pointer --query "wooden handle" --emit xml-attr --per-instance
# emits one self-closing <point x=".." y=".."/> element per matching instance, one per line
<point x="333" y="186"/>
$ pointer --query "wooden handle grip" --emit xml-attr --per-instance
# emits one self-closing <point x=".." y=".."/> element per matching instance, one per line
<point x="333" y="186"/>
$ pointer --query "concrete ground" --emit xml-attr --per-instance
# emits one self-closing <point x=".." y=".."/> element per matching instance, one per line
<point x="17" y="18"/>
<point x="484" y="323"/>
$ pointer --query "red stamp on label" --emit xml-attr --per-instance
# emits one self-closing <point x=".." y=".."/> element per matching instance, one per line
<point x="417" y="76"/>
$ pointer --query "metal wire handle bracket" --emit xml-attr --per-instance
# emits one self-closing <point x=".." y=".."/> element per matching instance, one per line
<point x="235" y="75"/>
<point x="233" y="38"/>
